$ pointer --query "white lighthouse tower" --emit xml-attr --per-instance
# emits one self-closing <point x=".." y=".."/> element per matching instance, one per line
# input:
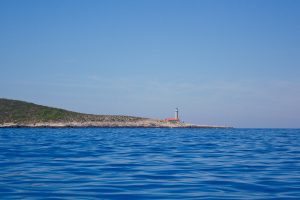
<point x="176" y="114"/>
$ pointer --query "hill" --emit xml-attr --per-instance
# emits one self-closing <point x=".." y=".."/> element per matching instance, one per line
<point x="14" y="111"/>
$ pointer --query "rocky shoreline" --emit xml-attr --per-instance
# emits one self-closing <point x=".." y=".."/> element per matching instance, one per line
<point x="99" y="124"/>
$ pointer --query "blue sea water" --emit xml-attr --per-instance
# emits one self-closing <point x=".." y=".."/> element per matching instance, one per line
<point x="124" y="163"/>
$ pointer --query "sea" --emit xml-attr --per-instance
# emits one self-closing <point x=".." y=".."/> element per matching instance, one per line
<point x="149" y="163"/>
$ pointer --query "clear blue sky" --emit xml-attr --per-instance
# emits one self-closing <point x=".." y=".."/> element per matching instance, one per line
<point x="221" y="62"/>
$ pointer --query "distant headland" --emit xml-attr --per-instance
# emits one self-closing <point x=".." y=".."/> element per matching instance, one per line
<point x="15" y="113"/>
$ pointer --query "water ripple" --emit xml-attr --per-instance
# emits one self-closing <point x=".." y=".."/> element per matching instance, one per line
<point x="107" y="163"/>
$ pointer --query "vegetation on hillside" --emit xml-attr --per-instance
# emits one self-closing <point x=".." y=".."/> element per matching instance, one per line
<point x="14" y="111"/>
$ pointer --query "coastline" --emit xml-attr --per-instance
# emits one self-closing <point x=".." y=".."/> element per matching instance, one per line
<point x="93" y="124"/>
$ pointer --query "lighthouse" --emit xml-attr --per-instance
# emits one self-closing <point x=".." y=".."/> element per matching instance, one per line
<point x="176" y="114"/>
<point x="176" y="119"/>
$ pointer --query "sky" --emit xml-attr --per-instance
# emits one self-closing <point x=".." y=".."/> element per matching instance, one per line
<point x="234" y="63"/>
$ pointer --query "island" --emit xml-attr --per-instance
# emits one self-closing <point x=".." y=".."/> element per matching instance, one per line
<point x="17" y="114"/>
